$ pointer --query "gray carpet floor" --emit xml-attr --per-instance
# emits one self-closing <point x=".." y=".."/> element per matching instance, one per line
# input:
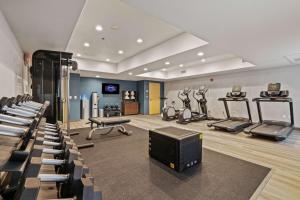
<point x="123" y="171"/>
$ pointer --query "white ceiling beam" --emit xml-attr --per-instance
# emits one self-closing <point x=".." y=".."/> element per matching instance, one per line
<point x="173" y="46"/>
<point x="96" y="66"/>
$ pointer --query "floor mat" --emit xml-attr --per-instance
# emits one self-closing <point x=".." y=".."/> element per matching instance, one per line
<point x="123" y="171"/>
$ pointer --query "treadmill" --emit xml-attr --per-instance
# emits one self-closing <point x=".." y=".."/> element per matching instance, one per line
<point x="233" y="124"/>
<point x="278" y="130"/>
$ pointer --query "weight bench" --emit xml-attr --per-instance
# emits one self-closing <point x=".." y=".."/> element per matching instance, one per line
<point x="108" y="124"/>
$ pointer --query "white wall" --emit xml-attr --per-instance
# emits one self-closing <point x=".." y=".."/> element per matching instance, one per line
<point x="252" y="82"/>
<point x="11" y="61"/>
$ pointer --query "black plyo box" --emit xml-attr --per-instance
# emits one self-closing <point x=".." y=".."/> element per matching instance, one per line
<point x="177" y="148"/>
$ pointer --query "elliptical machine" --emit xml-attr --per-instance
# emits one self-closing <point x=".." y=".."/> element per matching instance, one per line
<point x="185" y="114"/>
<point x="169" y="112"/>
<point x="199" y="96"/>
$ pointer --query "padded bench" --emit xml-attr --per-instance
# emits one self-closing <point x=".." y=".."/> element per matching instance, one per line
<point x="110" y="124"/>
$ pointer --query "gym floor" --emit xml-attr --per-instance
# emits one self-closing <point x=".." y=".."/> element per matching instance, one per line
<point x="282" y="157"/>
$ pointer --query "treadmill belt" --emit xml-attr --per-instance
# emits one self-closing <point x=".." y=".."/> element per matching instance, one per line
<point x="272" y="130"/>
<point x="232" y="125"/>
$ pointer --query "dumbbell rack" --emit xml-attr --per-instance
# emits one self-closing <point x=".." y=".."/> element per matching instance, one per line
<point x="44" y="164"/>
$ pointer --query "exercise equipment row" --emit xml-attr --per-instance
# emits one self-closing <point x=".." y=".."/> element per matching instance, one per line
<point x="278" y="130"/>
<point x="35" y="155"/>
<point x="185" y="114"/>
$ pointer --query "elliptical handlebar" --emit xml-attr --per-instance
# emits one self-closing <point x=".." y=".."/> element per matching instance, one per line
<point x="199" y="92"/>
<point x="195" y="96"/>
<point x="186" y="100"/>
<point x="180" y="94"/>
<point x="204" y="90"/>
<point x="186" y="91"/>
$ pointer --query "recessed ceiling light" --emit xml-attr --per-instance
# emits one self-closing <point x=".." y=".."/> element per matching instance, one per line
<point x="107" y="60"/>
<point x="164" y="69"/>
<point x="130" y="73"/>
<point x="200" y="53"/>
<point x="203" y="60"/>
<point x="86" y="44"/>
<point x="146" y="69"/>
<point x="167" y="63"/>
<point x="120" y="52"/>
<point x="139" y="40"/>
<point x="99" y="28"/>
<point x="181" y="65"/>
<point x="78" y="54"/>
<point x="97" y="76"/>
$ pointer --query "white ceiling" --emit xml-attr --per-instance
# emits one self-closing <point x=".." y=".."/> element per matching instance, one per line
<point x="260" y="31"/>
<point x="234" y="34"/>
<point x="131" y="24"/>
<point x="42" y="24"/>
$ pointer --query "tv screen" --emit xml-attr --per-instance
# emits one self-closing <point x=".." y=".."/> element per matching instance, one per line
<point x="110" y="88"/>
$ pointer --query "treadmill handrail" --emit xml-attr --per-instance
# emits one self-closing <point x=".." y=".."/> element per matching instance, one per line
<point x="233" y="99"/>
<point x="236" y="99"/>
<point x="283" y="99"/>
<point x="270" y="99"/>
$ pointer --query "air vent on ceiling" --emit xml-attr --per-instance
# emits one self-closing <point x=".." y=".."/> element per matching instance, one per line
<point x="293" y="58"/>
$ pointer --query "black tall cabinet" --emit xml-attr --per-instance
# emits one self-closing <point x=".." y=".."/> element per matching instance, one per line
<point x="46" y="80"/>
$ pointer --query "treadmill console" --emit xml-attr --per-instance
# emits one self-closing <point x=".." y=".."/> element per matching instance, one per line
<point x="236" y="92"/>
<point x="274" y="91"/>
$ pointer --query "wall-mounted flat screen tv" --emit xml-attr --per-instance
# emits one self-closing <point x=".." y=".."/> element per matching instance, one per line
<point x="110" y="88"/>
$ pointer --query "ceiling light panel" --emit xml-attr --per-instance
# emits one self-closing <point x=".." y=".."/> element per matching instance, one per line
<point x="99" y="28"/>
<point x="139" y="40"/>
<point x="200" y="53"/>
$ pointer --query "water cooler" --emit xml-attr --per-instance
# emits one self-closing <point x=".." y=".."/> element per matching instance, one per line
<point x="85" y="108"/>
<point x="95" y="104"/>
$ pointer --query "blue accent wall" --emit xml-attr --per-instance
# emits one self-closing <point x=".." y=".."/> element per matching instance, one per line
<point x="162" y="94"/>
<point x="89" y="85"/>
<point x="82" y="87"/>
<point x="143" y="90"/>
<point x="75" y="93"/>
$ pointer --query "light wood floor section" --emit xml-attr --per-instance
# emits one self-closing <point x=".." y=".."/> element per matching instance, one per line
<point x="282" y="157"/>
